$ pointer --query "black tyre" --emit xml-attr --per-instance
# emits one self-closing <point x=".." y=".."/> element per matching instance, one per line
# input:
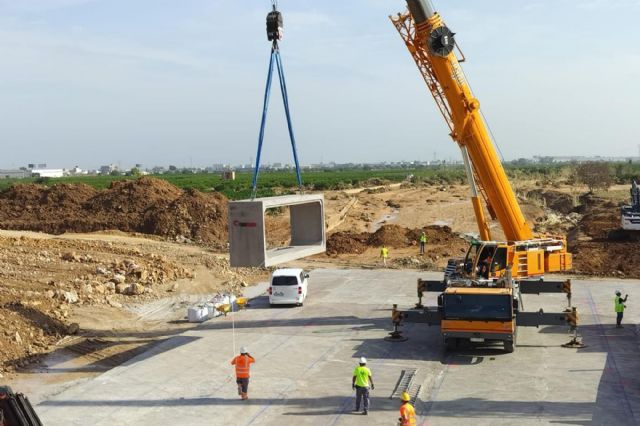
<point x="450" y="343"/>
<point x="509" y="346"/>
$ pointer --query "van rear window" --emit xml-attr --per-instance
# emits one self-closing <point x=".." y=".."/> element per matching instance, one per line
<point x="285" y="280"/>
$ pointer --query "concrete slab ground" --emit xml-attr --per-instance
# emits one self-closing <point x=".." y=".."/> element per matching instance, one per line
<point x="305" y="358"/>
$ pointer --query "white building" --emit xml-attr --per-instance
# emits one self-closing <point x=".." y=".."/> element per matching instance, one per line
<point x="50" y="173"/>
<point x="77" y="171"/>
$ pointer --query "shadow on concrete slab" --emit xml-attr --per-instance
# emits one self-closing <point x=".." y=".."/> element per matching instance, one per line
<point x="114" y="357"/>
<point x="561" y="412"/>
<point x="516" y="410"/>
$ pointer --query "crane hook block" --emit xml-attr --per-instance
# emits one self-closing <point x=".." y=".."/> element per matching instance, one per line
<point x="441" y="41"/>
<point x="274" y="26"/>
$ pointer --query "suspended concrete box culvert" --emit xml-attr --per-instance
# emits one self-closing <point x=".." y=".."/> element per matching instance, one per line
<point x="247" y="231"/>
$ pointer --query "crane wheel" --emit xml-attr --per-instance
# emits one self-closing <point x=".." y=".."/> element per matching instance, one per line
<point x="509" y="346"/>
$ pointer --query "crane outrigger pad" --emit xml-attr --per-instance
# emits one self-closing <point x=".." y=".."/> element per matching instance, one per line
<point x="247" y="232"/>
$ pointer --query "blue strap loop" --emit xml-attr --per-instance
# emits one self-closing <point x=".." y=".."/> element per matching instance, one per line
<point x="275" y="57"/>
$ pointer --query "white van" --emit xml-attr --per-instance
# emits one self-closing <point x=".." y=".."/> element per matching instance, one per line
<point x="288" y="287"/>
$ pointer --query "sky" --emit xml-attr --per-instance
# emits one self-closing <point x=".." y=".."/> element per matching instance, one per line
<point x="160" y="82"/>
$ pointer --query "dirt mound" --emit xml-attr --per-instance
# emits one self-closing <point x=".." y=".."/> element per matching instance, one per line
<point x="133" y="196"/>
<point x="389" y="235"/>
<point x="194" y="215"/>
<point x="441" y="240"/>
<point x="347" y="242"/>
<point x="31" y="201"/>
<point x="599" y="245"/>
<point x="555" y="200"/>
<point x="600" y="217"/>
<point x="146" y="205"/>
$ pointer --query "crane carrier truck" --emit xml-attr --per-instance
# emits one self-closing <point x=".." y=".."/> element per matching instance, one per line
<point x="481" y="294"/>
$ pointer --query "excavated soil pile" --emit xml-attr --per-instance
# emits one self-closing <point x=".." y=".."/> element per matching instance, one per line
<point x="555" y="200"/>
<point x="347" y="242"/>
<point x="200" y="216"/>
<point x="23" y="206"/>
<point x="390" y="236"/>
<point x="598" y="244"/>
<point x="145" y="205"/>
<point x="441" y="240"/>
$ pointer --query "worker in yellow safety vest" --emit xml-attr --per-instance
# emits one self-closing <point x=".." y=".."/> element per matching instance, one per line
<point x="361" y="382"/>
<point x="407" y="412"/>
<point x="384" y="254"/>
<point x="423" y="242"/>
<point x="243" y="363"/>
<point x="619" y="304"/>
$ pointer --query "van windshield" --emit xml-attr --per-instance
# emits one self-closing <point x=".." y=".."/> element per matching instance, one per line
<point x="477" y="306"/>
<point x="284" y="280"/>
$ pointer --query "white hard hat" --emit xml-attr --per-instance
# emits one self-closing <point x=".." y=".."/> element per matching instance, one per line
<point x="363" y="360"/>
<point x="243" y="350"/>
<point x="618" y="292"/>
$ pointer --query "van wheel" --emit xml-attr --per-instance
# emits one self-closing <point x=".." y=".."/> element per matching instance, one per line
<point x="300" y="304"/>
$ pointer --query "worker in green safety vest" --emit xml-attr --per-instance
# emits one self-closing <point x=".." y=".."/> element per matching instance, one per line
<point x="423" y="242"/>
<point x="619" y="304"/>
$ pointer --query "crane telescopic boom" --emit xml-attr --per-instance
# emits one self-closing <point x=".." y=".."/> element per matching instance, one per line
<point x="433" y="47"/>
<point x="434" y="42"/>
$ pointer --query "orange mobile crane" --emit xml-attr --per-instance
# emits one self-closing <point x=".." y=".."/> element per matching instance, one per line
<point x="481" y="294"/>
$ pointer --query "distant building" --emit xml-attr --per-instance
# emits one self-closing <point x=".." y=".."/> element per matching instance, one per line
<point x="14" y="174"/>
<point x="47" y="173"/>
<point x="106" y="170"/>
<point x="78" y="171"/>
<point x="228" y="175"/>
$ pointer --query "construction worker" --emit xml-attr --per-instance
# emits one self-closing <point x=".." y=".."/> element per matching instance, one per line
<point x="360" y="382"/>
<point x="384" y="254"/>
<point x="243" y="363"/>
<point x="423" y="242"/>
<point x="407" y="412"/>
<point x="619" y="304"/>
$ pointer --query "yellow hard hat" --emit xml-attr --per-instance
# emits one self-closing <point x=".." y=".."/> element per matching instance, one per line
<point x="405" y="396"/>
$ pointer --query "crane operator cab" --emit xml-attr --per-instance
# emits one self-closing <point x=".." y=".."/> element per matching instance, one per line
<point x="485" y="260"/>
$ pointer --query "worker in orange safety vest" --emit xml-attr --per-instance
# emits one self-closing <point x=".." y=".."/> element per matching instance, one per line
<point x="407" y="412"/>
<point x="243" y="363"/>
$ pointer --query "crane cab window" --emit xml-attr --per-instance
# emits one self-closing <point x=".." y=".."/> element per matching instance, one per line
<point x="499" y="262"/>
<point x="470" y="258"/>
